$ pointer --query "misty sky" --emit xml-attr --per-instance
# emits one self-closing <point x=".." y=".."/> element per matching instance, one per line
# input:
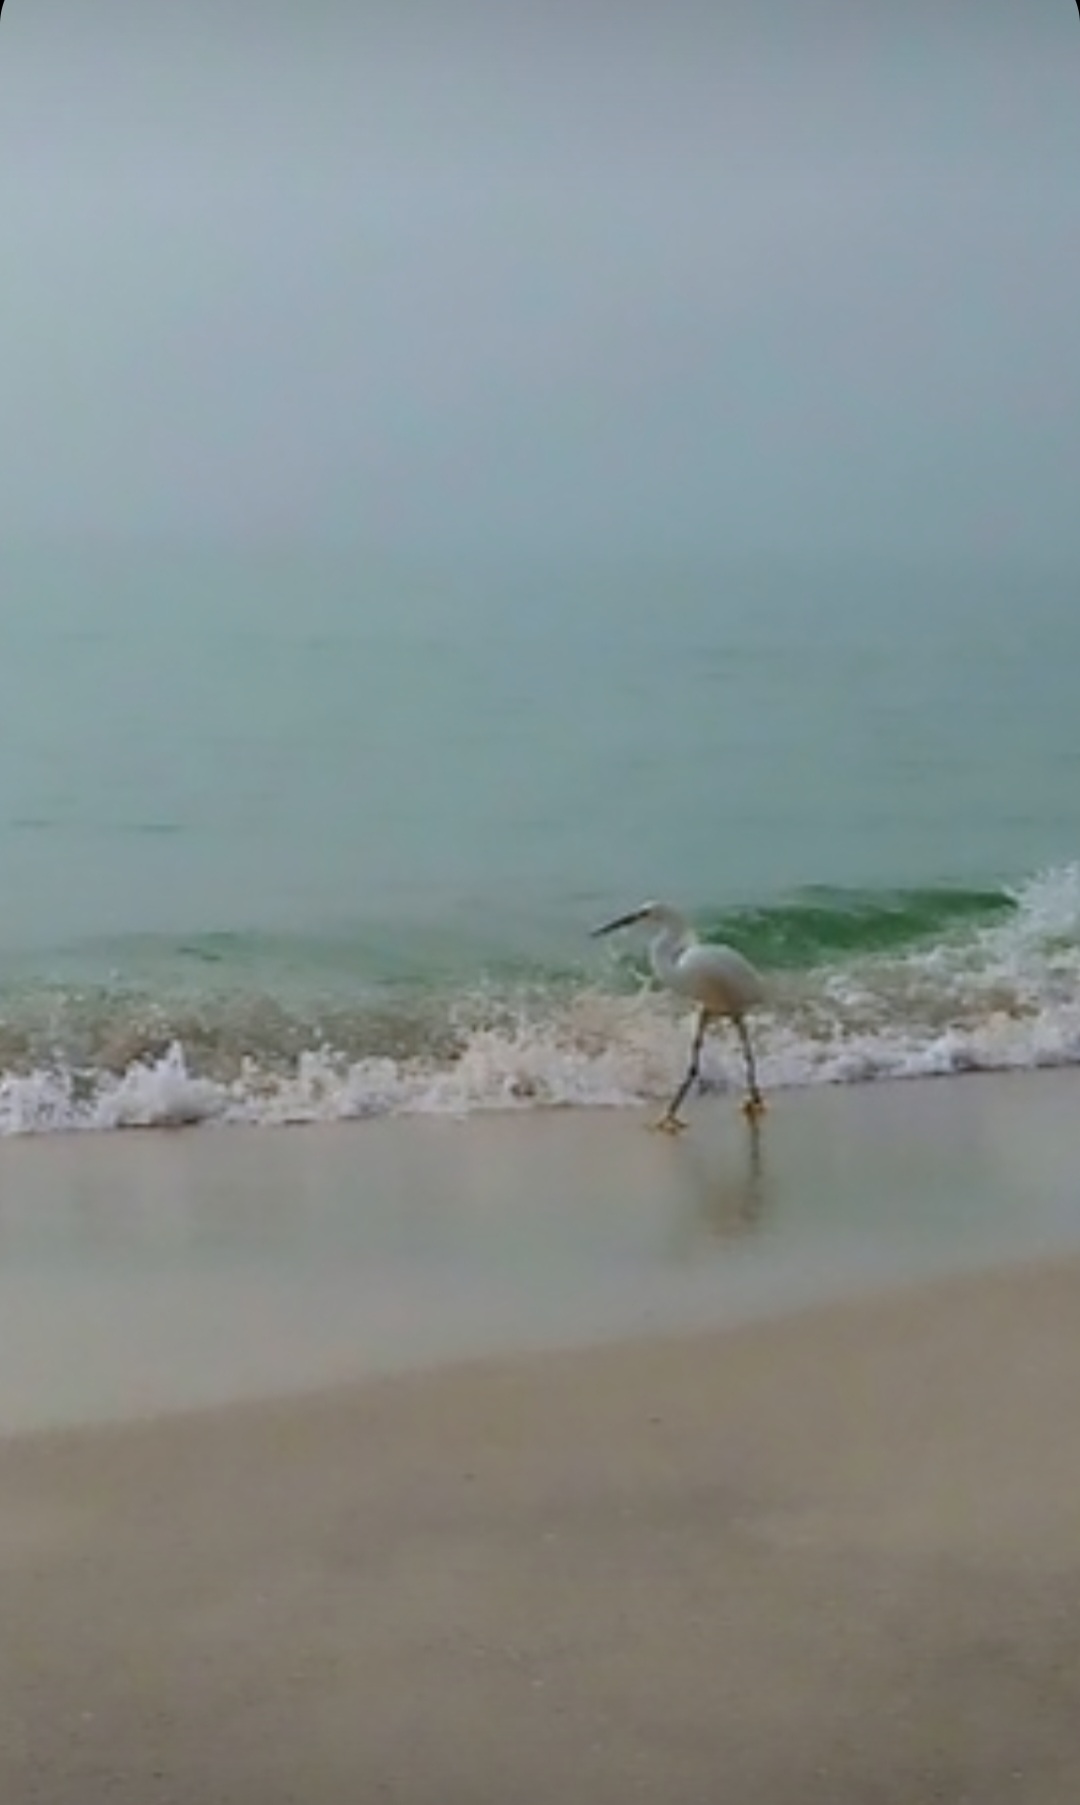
<point x="804" y="275"/>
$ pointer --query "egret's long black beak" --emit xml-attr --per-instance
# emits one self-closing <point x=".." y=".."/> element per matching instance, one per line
<point x="621" y="921"/>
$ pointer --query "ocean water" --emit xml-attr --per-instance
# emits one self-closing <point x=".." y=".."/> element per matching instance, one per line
<point x="292" y="835"/>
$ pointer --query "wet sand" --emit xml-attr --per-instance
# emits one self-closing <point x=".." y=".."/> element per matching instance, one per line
<point x="833" y="1560"/>
<point x="156" y="1271"/>
<point x="827" y="1557"/>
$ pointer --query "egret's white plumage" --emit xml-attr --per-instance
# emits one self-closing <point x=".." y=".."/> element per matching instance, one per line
<point x="718" y="979"/>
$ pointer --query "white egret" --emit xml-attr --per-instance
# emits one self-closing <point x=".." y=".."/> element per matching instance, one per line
<point x="720" y="981"/>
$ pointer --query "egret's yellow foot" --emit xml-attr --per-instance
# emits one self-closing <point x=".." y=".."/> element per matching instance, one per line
<point x="753" y="1108"/>
<point x="668" y="1125"/>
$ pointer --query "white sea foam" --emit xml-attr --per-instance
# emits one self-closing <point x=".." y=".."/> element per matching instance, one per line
<point x="1003" y="996"/>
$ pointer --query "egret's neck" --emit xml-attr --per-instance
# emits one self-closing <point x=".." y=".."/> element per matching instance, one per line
<point x="667" y="947"/>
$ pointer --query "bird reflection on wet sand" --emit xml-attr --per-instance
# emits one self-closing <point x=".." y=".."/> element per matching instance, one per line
<point x="729" y="1195"/>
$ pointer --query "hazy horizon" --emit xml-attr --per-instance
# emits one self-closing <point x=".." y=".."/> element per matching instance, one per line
<point x="485" y="280"/>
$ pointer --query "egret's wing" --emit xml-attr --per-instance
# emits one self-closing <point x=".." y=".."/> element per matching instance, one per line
<point x="724" y="972"/>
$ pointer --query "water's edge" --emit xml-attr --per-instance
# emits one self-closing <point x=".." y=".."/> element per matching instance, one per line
<point x="223" y="1028"/>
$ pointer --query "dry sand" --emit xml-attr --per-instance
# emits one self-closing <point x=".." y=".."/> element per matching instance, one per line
<point x="833" y="1560"/>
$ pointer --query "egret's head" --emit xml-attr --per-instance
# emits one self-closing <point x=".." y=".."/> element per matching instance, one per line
<point x="655" y="914"/>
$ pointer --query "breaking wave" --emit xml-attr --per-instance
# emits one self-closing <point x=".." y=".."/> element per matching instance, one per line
<point x="861" y="987"/>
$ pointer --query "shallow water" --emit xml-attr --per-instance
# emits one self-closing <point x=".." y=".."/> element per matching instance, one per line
<point x="302" y="836"/>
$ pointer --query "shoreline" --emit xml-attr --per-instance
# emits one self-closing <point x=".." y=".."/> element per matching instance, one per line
<point x="162" y="1272"/>
<point x="846" y="1318"/>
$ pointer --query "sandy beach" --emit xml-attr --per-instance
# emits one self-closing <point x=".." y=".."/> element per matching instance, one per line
<point x="828" y="1557"/>
<point x="162" y="1270"/>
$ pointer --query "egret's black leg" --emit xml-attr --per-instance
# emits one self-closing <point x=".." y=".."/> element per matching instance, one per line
<point x="670" y="1118"/>
<point x="755" y="1102"/>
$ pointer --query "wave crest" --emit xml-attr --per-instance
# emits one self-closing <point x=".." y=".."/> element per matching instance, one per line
<point x="992" y="989"/>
